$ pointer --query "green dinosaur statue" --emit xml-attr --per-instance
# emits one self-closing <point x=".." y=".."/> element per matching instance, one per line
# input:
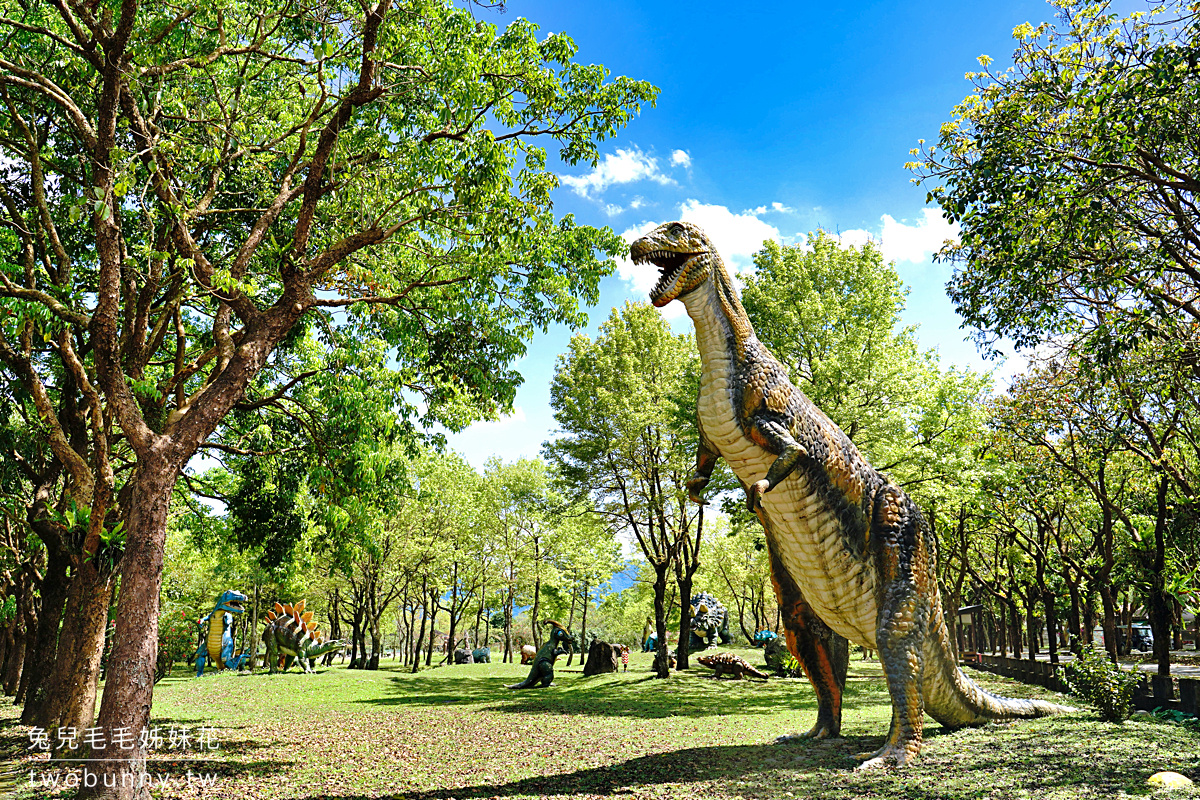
<point x="215" y="647"/>
<point x="291" y="635"/>
<point x="851" y="556"/>
<point x="542" y="671"/>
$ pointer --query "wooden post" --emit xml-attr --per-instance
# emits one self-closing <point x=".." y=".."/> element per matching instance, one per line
<point x="1189" y="695"/>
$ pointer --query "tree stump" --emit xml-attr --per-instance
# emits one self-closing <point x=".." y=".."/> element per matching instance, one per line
<point x="602" y="657"/>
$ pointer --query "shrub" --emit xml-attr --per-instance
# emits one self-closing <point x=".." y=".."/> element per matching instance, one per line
<point x="1102" y="683"/>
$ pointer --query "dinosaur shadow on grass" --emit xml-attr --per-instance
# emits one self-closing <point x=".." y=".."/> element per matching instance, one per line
<point x="818" y="770"/>
<point x="687" y="766"/>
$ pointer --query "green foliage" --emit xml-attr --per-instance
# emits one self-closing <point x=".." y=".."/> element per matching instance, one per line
<point x="178" y="635"/>
<point x="1071" y="175"/>
<point x="1103" y="684"/>
<point x="1178" y="717"/>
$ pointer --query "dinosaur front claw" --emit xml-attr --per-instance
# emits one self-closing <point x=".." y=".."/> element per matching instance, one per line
<point x="695" y="486"/>
<point x="754" y="495"/>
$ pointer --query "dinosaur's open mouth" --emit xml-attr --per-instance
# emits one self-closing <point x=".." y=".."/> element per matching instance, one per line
<point x="235" y="605"/>
<point x="669" y="264"/>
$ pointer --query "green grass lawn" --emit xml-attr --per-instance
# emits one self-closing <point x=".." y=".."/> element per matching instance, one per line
<point x="457" y="732"/>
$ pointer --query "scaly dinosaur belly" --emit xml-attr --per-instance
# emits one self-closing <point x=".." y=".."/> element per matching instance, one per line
<point x="839" y="587"/>
<point x="216" y="630"/>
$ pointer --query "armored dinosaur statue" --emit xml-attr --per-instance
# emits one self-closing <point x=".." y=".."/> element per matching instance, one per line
<point x="290" y="634"/>
<point x="851" y="556"/>
<point x="542" y="671"/>
<point x="729" y="664"/>
<point x="710" y="623"/>
<point x="215" y="647"/>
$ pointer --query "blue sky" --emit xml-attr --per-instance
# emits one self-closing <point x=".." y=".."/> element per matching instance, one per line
<point x="773" y="120"/>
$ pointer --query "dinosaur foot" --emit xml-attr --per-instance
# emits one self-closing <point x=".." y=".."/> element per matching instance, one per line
<point x="819" y="731"/>
<point x="890" y="755"/>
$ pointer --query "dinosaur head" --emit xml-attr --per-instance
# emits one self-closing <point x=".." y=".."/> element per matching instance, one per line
<point x="232" y="600"/>
<point x="707" y="661"/>
<point x="684" y="257"/>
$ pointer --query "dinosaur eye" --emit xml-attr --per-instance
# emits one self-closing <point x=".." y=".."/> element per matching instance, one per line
<point x="675" y="229"/>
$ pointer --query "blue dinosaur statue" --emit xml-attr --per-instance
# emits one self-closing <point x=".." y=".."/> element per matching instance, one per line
<point x="215" y="648"/>
<point x="762" y="637"/>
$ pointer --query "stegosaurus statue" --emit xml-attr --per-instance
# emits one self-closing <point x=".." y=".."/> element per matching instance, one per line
<point x="290" y="633"/>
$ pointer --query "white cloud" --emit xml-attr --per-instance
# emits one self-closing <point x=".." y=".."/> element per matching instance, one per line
<point x="916" y="243"/>
<point x="625" y="166"/>
<point x="855" y="238"/>
<point x="777" y="207"/>
<point x="737" y="237"/>
<point x="612" y="210"/>
<point x="639" y="277"/>
<point x="636" y="203"/>
<point x="680" y="158"/>
<point x="900" y="242"/>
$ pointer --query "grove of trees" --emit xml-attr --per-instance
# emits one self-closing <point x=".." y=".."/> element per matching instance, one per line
<point x="253" y="258"/>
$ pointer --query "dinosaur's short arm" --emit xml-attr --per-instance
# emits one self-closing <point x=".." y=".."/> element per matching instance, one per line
<point x="777" y="439"/>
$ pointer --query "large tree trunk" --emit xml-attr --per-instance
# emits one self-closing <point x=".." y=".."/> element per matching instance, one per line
<point x="433" y="595"/>
<point x="129" y="690"/>
<point x="583" y="624"/>
<point x="662" y="662"/>
<point x="15" y="653"/>
<point x="54" y="594"/>
<point x="1051" y="624"/>
<point x="1160" y="601"/>
<point x="1110" y="620"/>
<point x="416" y="665"/>
<point x="537" y="597"/>
<point x="254" y="628"/>
<point x="71" y="701"/>
<point x="685" y="622"/>
<point x="31" y="630"/>
<point x="1074" y="618"/>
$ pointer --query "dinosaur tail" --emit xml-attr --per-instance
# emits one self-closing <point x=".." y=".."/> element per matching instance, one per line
<point x="954" y="700"/>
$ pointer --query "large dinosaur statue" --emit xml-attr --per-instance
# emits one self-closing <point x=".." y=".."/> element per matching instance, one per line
<point x="291" y="635"/>
<point x="215" y="647"/>
<point x="542" y="671"/>
<point x="849" y="551"/>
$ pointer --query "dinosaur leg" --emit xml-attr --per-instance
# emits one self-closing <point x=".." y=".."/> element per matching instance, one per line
<point x="200" y="665"/>
<point x="902" y="558"/>
<point x="824" y="655"/>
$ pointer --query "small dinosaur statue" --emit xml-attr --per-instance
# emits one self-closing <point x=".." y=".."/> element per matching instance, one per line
<point x="215" y="648"/>
<point x="851" y="556"/>
<point x="729" y="664"/>
<point x="290" y="634"/>
<point x="542" y="671"/>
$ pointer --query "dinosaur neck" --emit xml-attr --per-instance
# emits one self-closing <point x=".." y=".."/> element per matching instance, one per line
<point x="722" y="328"/>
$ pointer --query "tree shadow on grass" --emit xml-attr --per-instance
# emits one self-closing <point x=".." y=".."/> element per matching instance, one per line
<point x="691" y="695"/>
<point x="692" y="765"/>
